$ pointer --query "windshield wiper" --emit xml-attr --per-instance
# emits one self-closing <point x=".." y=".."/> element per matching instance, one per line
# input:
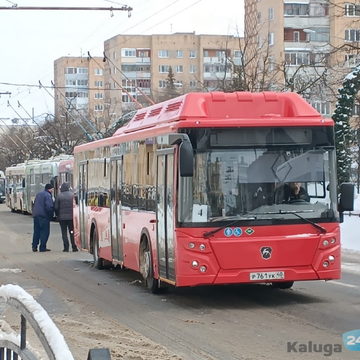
<point x="212" y="232"/>
<point x="296" y="213"/>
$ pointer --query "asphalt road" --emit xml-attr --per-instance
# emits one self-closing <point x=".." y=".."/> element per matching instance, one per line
<point x="222" y="322"/>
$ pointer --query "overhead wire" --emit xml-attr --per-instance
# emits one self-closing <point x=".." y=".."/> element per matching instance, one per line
<point x="136" y="87"/>
<point x="120" y="86"/>
<point x="86" y="133"/>
<point x="28" y="126"/>
<point x="92" y="126"/>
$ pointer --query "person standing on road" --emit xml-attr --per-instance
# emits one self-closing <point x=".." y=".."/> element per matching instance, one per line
<point x="43" y="212"/>
<point x="64" y="213"/>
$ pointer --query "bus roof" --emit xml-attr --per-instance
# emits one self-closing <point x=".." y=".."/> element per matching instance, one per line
<point x="217" y="109"/>
<point x="224" y="106"/>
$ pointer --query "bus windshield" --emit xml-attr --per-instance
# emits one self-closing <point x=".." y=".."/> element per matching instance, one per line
<point x="268" y="179"/>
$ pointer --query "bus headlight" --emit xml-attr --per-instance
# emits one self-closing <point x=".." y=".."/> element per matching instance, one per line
<point x="325" y="264"/>
<point x="202" y="247"/>
<point x="202" y="268"/>
<point x="194" y="264"/>
<point x="326" y="242"/>
<point x="331" y="258"/>
<point x="191" y="245"/>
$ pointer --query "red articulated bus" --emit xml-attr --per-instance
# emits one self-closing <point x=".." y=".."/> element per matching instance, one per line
<point x="196" y="191"/>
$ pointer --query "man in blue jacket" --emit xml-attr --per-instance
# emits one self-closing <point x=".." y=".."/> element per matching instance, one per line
<point x="43" y="212"/>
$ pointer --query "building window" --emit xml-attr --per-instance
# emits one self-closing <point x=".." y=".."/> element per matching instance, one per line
<point x="125" y="98"/>
<point x="192" y="69"/>
<point x="296" y="36"/>
<point x="163" y="53"/>
<point x="297" y="58"/>
<point x="82" y="70"/>
<point x="98" y="71"/>
<point x="271" y="38"/>
<point x="352" y="35"/>
<point x="192" y="54"/>
<point x="192" y="84"/>
<point x="82" y="82"/>
<point x="352" y="10"/>
<point x="352" y="60"/>
<point x="125" y="52"/>
<point x="178" y="84"/>
<point x="356" y="110"/>
<point x="98" y="83"/>
<point x="296" y="9"/>
<point x="164" y="69"/>
<point x="237" y="54"/>
<point x="162" y="84"/>
<point x="70" y="70"/>
<point x="98" y="95"/>
<point x="99" y="107"/>
<point x="323" y="107"/>
<point x="179" y="68"/>
<point x="179" y="53"/>
<point x="271" y="14"/>
<point x="70" y="83"/>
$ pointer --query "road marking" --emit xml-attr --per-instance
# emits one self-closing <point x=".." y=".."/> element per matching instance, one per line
<point x="11" y="270"/>
<point x="343" y="284"/>
<point x="350" y="267"/>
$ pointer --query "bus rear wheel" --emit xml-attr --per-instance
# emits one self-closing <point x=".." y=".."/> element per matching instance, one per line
<point x="98" y="261"/>
<point x="283" y="285"/>
<point x="146" y="267"/>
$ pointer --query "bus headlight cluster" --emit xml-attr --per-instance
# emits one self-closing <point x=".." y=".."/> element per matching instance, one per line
<point x="329" y="261"/>
<point x="202" y="247"/>
<point x="195" y="265"/>
<point x="327" y="242"/>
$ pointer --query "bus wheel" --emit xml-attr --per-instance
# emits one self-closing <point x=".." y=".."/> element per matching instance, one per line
<point x="98" y="261"/>
<point x="146" y="267"/>
<point x="283" y="285"/>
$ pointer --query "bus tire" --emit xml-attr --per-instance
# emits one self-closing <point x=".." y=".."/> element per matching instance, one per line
<point x="98" y="261"/>
<point x="283" y="284"/>
<point x="146" y="267"/>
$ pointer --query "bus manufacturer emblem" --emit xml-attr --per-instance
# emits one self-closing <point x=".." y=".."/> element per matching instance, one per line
<point x="266" y="252"/>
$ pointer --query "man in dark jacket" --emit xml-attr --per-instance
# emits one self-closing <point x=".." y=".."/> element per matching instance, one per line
<point x="64" y="213"/>
<point x="43" y="211"/>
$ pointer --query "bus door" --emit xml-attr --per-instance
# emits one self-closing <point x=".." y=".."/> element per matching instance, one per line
<point x="115" y="207"/>
<point x="83" y="189"/>
<point x="165" y="213"/>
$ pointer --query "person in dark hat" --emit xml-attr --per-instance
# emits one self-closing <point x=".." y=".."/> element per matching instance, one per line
<point x="64" y="213"/>
<point x="43" y="212"/>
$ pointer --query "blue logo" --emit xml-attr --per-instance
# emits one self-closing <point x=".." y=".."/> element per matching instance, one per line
<point x="351" y="340"/>
<point x="237" y="232"/>
<point x="228" y="232"/>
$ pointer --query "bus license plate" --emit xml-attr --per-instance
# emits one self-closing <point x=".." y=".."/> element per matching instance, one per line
<point x="272" y="275"/>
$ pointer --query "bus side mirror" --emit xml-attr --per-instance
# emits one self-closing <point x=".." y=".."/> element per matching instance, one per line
<point x="76" y="199"/>
<point x="186" y="158"/>
<point x="346" y="202"/>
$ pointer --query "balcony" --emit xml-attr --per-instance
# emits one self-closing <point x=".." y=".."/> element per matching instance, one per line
<point x="302" y="22"/>
<point x="136" y="60"/>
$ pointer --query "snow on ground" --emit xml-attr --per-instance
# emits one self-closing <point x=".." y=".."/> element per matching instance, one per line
<point x="350" y="228"/>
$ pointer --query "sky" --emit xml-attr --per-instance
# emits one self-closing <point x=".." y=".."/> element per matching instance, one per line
<point x="32" y="40"/>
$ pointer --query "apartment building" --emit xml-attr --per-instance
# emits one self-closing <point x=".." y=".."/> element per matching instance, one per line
<point x="137" y="67"/>
<point x="311" y="44"/>
<point x="79" y="89"/>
